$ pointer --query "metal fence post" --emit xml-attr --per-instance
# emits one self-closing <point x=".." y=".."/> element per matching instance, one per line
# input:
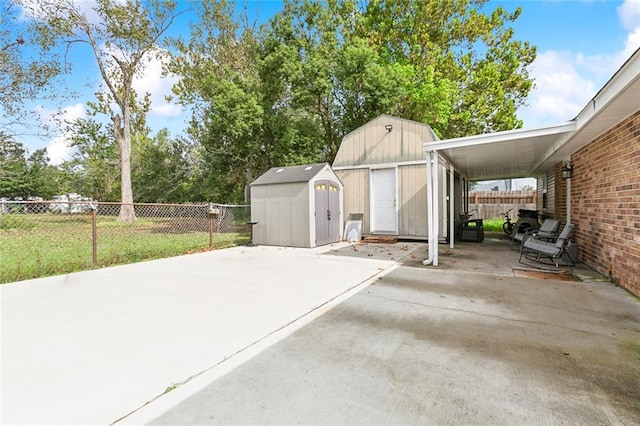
<point x="94" y="233"/>
<point x="210" y="217"/>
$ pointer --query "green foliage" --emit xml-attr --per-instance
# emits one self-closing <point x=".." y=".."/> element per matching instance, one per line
<point x="93" y="170"/>
<point x="285" y="93"/>
<point x="288" y="93"/>
<point x="121" y="36"/>
<point x="45" y="180"/>
<point x="470" y="74"/>
<point x="162" y="169"/>
<point x="23" y="177"/>
<point x="13" y="168"/>
<point x="23" y="76"/>
<point x="492" y="225"/>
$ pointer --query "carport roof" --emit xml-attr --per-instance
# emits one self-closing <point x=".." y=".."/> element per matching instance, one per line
<point x="530" y="152"/>
<point x="290" y="174"/>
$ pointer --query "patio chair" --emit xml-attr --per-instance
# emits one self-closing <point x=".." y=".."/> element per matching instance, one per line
<point x="534" y="248"/>
<point x="548" y="231"/>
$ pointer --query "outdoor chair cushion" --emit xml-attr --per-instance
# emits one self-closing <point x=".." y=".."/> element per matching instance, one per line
<point x="553" y="250"/>
<point x="548" y="230"/>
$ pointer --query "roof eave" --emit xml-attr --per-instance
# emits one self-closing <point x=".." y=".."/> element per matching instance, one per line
<point x="503" y="136"/>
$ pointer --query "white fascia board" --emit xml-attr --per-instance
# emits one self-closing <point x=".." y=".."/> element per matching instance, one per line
<point x="504" y="136"/>
<point x="623" y="78"/>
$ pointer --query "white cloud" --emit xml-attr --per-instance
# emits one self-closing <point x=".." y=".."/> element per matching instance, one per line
<point x="32" y="9"/>
<point x="629" y="14"/>
<point x="560" y="91"/>
<point x="58" y="148"/>
<point x="566" y="81"/>
<point x="632" y="44"/>
<point x="150" y="80"/>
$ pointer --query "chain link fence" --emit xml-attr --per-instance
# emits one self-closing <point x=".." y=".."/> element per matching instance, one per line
<point x="41" y="238"/>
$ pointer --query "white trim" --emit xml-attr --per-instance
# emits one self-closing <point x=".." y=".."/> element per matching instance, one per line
<point x="382" y="165"/>
<point x="371" y="200"/>
<point x="443" y="200"/>
<point x="628" y="73"/>
<point x="452" y="231"/>
<point x="436" y="218"/>
<point x="505" y="136"/>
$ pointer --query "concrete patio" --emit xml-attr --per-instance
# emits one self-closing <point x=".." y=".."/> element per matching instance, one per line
<point x="464" y="343"/>
<point x="340" y="334"/>
<point x="442" y="347"/>
<point x="91" y="347"/>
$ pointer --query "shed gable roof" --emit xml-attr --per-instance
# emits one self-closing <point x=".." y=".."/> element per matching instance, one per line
<point x="384" y="140"/>
<point x="303" y="173"/>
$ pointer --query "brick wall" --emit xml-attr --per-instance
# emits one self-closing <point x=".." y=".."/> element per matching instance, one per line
<point x="605" y="204"/>
<point x="560" y="198"/>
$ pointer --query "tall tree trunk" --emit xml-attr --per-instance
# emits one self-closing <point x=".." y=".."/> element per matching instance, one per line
<point x="249" y="179"/>
<point x="123" y="137"/>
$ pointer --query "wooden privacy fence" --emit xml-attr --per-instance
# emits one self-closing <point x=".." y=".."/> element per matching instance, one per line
<point x="489" y="204"/>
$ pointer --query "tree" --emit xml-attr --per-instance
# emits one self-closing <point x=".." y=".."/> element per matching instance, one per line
<point x="121" y="36"/>
<point x="41" y="177"/>
<point x="461" y="52"/>
<point x="218" y="66"/>
<point x="94" y="167"/>
<point x="163" y="169"/>
<point x="450" y="63"/>
<point x="22" y="77"/>
<point x="13" y="168"/>
<point x="332" y="77"/>
<point x="288" y="93"/>
<point x="282" y="96"/>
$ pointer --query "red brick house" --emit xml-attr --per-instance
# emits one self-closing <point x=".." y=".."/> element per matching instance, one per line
<point x="601" y="145"/>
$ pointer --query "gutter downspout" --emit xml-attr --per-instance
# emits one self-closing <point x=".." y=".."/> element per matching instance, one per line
<point x="568" y="199"/>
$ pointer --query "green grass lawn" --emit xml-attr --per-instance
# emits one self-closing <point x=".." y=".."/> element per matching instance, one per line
<point x="38" y="245"/>
<point x="492" y="225"/>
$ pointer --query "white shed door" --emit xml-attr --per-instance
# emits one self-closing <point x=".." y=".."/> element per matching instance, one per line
<point x="327" y="212"/>
<point x="383" y="201"/>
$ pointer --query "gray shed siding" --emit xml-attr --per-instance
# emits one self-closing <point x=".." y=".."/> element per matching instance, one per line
<point x="412" y="195"/>
<point x="356" y="194"/>
<point x="412" y="214"/>
<point x="374" y="147"/>
<point x="285" y="208"/>
<point x="283" y="202"/>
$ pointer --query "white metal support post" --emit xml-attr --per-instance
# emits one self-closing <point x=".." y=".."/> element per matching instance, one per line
<point x="443" y="201"/>
<point x="452" y="235"/>
<point x="432" y="207"/>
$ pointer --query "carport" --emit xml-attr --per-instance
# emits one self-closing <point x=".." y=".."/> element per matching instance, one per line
<point x="523" y="152"/>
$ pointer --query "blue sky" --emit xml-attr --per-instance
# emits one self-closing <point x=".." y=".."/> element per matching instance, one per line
<point x="581" y="43"/>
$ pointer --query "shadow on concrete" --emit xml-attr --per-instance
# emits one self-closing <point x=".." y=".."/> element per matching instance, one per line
<point x="495" y="255"/>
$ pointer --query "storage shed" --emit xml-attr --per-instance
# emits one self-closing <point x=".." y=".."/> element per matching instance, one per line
<point x="383" y="167"/>
<point x="297" y="206"/>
